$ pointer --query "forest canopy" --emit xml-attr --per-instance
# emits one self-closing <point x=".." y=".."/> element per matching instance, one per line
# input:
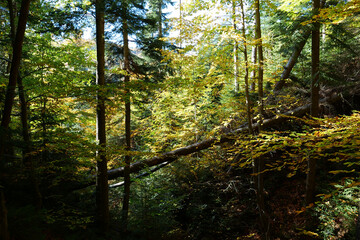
<point x="159" y="119"/>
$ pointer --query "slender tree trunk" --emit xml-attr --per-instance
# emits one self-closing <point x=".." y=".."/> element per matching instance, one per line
<point x="253" y="72"/>
<point x="315" y="53"/>
<point x="246" y="77"/>
<point x="127" y="181"/>
<point x="260" y="60"/>
<point x="236" y="50"/>
<point x="160" y="19"/>
<point x="260" y="164"/>
<point x="102" y="187"/>
<point x="44" y="152"/>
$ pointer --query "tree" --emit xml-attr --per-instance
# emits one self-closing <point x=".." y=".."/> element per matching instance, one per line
<point x="246" y="77"/>
<point x="315" y="87"/>
<point x="102" y="188"/>
<point x="27" y="158"/>
<point x="127" y="181"/>
<point x="236" y="50"/>
<point x="259" y="164"/>
<point x="15" y="65"/>
<point x="315" y="55"/>
<point x="9" y="100"/>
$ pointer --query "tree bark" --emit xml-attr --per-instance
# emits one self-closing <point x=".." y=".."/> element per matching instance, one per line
<point x="260" y="59"/>
<point x="236" y="50"/>
<point x="315" y="55"/>
<point x="160" y="30"/>
<point x="260" y="164"/>
<point x="9" y="101"/>
<point x="14" y="71"/>
<point x="246" y="77"/>
<point x="127" y="181"/>
<point x="102" y="187"/>
<point x="253" y="72"/>
<point x="315" y="108"/>
<point x="27" y="159"/>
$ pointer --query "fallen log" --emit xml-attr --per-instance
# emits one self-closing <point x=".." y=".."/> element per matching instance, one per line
<point x="147" y="173"/>
<point x="205" y="144"/>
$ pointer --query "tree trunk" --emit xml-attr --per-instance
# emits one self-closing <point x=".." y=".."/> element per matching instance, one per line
<point x="314" y="110"/>
<point x="9" y="100"/>
<point x="27" y="159"/>
<point x="315" y="55"/>
<point x="260" y="60"/>
<point x="127" y="181"/>
<point x="236" y="50"/>
<point x="160" y="19"/>
<point x="260" y="179"/>
<point x="253" y="72"/>
<point x="14" y="71"/>
<point x="102" y="187"/>
<point x="246" y="77"/>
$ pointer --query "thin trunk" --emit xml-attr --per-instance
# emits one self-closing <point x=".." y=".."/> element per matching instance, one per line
<point x="236" y="50"/>
<point x="127" y="181"/>
<point x="253" y="72"/>
<point x="315" y="87"/>
<point x="260" y="165"/>
<point x="102" y="187"/>
<point x="180" y="17"/>
<point x="44" y="152"/>
<point x="246" y="78"/>
<point x="315" y="55"/>
<point x="260" y="60"/>
<point x="160" y="18"/>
